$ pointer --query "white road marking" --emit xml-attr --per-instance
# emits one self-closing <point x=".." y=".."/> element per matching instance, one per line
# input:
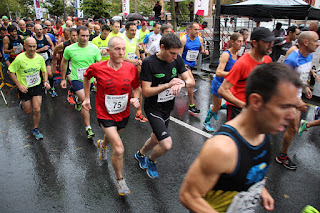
<point x="188" y="126"/>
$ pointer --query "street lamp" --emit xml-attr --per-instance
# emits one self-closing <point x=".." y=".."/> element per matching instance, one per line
<point x="214" y="57"/>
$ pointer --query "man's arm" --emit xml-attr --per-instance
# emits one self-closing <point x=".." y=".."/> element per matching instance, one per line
<point x="224" y="91"/>
<point x="224" y="58"/>
<point x="86" y="86"/>
<point x="64" y="64"/>
<point x="218" y="156"/>
<point x="183" y="42"/>
<point x="149" y="91"/>
<point x="202" y="50"/>
<point x="135" y="101"/>
<point x="50" y="42"/>
<point x="57" y="50"/>
<point x="6" y="42"/>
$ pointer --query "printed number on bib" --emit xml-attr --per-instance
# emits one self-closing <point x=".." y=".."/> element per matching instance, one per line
<point x="131" y="56"/>
<point x="32" y="79"/>
<point x="116" y="103"/>
<point x="19" y="48"/>
<point x="44" y="56"/>
<point x="192" y="55"/>
<point x="80" y="73"/>
<point x="245" y="202"/>
<point x="165" y="96"/>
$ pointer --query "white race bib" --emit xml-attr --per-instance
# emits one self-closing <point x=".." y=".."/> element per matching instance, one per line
<point x="116" y="103"/>
<point x="241" y="51"/>
<point x="281" y="59"/>
<point x="192" y="55"/>
<point x="44" y="56"/>
<point x="19" y="48"/>
<point x="32" y="79"/>
<point x="104" y="48"/>
<point x="80" y="73"/>
<point x="131" y="56"/>
<point x="245" y="202"/>
<point x="165" y="96"/>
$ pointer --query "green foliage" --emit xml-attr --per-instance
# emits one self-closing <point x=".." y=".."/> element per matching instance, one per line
<point x="55" y="7"/>
<point x="97" y="8"/>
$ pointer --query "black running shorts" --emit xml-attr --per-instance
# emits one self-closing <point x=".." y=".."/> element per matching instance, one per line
<point x="232" y="112"/>
<point x="159" y="122"/>
<point x="32" y="91"/>
<point x="109" y="123"/>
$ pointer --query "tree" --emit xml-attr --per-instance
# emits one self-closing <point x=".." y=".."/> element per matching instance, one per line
<point x="96" y="8"/>
<point x="55" y="7"/>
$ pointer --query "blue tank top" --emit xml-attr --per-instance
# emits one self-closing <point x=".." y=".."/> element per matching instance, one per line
<point x="228" y="67"/>
<point x="190" y="51"/>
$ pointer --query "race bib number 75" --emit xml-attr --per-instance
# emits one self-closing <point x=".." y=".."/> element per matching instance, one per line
<point x="116" y="103"/>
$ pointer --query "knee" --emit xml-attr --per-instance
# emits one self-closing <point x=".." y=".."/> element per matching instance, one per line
<point x="36" y="110"/>
<point x="118" y="151"/>
<point x="166" y="144"/>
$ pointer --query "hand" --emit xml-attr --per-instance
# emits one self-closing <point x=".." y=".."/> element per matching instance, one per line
<point x="206" y="52"/>
<point x="46" y="85"/>
<point x="135" y="102"/>
<point x="308" y="93"/>
<point x="175" y="90"/>
<point x="103" y="52"/>
<point x="266" y="200"/>
<point x="316" y="77"/>
<point x="14" y="48"/>
<point x="63" y="84"/>
<point x="46" y="47"/>
<point x="134" y="61"/>
<point x="86" y="104"/>
<point x="139" y="62"/>
<point x="23" y="88"/>
<point x="176" y="81"/>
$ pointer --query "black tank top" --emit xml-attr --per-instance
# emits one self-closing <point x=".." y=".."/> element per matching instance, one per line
<point x="41" y="43"/>
<point x="16" y="43"/>
<point x="65" y="44"/>
<point x="253" y="162"/>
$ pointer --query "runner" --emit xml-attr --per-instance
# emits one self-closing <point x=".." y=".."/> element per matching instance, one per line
<point x="23" y="30"/>
<point x="6" y="22"/>
<point x="160" y="85"/>
<point x="81" y="55"/>
<point x="4" y="57"/>
<point x="193" y="45"/>
<point x="115" y="31"/>
<point x="132" y="55"/>
<point x="155" y="46"/>
<point x="228" y="175"/>
<point x="13" y="43"/>
<point x="25" y="72"/>
<point x="142" y="34"/>
<point x="151" y="37"/>
<point x="58" y="51"/>
<point x="101" y="42"/>
<point x="44" y="43"/>
<point x="301" y="61"/>
<point x="113" y="101"/>
<point x="227" y="59"/>
<point x="233" y="87"/>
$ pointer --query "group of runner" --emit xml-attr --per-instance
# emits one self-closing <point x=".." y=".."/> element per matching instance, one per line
<point x="124" y="67"/>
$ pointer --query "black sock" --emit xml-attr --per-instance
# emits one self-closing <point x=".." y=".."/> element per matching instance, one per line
<point x="51" y="81"/>
<point x="139" y="153"/>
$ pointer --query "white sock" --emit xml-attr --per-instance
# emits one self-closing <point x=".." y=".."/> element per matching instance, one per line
<point x="88" y="127"/>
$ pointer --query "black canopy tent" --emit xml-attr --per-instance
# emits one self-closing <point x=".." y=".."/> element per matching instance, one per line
<point x="278" y="9"/>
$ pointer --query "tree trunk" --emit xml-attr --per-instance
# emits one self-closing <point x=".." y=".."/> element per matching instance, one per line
<point x="173" y="15"/>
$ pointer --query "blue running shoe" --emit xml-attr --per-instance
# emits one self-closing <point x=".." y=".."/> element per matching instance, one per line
<point x="316" y="113"/>
<point x="151" y="169"/>
<point x="53" y="92"/>
<point x="223" y="106"/>
<point x="36" y="133"/>
<point x="141" y="160"/>
<point x="208" y="126"/>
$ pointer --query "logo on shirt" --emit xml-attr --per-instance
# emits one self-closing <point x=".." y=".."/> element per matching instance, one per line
<point x="174" y="72"/>
<point x="160" y="75"/>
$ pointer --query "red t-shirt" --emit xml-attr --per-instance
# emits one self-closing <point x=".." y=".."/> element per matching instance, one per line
<point x="60" y="32"/>
<point x="239" y="73"/>
<point x="115" y="87"/>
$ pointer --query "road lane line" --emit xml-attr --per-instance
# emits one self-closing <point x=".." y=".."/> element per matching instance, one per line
<point x="188" y="126"/>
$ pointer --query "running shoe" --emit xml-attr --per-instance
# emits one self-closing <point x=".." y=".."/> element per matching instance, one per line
<point x="90" y="133"/>
<point x="214" y="114"/>
<point x="195" y="90"/>
<point x="102" y="151"/>
<point x="53" y="92"/>
<point x="309" y="209"/>
<point x="141" y="160"/>
<point x="122" y="187"/>
<point x="78" y="106"/>
<point x="70" y="98"/>
<point x="20" y="105"/>
<point x="141" y="118"/>
<point x="36" y="133"/>
<point x="151" y="169"/>
<point x="223" y="106"/>
<point x="303" y="127"/>
<point x="194" y="109"/>
<point x="316" y="113"/>
<point x="208" y="126"/>
<point x="286" y="162"/>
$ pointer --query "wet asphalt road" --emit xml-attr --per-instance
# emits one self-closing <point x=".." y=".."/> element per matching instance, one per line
<point x="62" y="173"/>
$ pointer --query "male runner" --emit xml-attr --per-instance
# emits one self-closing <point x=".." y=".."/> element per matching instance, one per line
<point x="151" y="37"/>
<point x="81" y="55"/>
<point x="132" y="55"/>
<point x="228" y="175"/>
<point x="101" y="42"/>
<point x="44" y="43"/>
<point x="58" y="51"/>
<point x="23" y="30"/>
<point x="155" y="46"/>
<point x="25" y="72"/>
<point x="233" y="87"/>
<point x="193" y="45"/>
<point x="301" y="61"/>
<point x="4" y="57"/>
<point x="115" y="31"/>
<point x="13" y="43"/>
<point x="115" y="78"/>
<point x="160" y="85"/>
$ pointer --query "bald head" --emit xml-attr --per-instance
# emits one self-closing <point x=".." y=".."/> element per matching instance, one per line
<point x="22" y="25"/>
<point x="38" y="30"/>
<point x="114" y="41"/>
<point x="30" y="46"/>
<point x="69" y="24"/>
<point x="314" y="25"/>
<point x="306" y="35"/>
<point x="308" y="42"/>
<point x="30" y="40"/>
